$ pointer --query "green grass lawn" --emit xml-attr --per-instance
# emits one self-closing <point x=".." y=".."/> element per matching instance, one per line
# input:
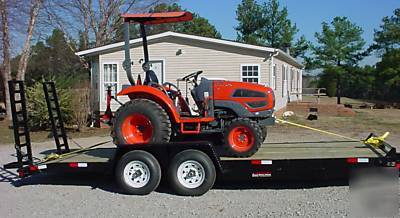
<point x="7" y="137"/>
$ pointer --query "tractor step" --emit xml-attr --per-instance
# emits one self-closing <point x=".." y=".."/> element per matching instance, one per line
<point x="186" y="121"/>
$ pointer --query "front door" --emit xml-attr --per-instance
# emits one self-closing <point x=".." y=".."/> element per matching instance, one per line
<point x="158" y="68"/>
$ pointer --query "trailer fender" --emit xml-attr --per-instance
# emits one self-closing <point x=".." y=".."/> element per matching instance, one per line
<point x="154" y="94"/>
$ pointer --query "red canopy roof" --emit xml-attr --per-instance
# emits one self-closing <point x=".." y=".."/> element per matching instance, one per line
<point x="158" y="18"/>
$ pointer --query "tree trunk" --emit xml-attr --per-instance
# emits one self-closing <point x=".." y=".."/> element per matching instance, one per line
<point x="6" y="72"/>
<point x="338" y="89"/>
<point x="339" y="83"/>
<point x="23" y="61"/>
<point x="7" y="99"/>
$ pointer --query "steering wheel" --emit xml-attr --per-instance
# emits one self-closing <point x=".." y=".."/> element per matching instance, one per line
<point x="173" y="93"/>
<point x="192" y="75"/>
<point x="158" y="86"/>
<point x="169" y="85"/>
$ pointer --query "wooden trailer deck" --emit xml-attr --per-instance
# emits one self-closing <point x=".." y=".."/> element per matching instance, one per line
<point x="313" y="150"/>
<point x="268" y="151"/>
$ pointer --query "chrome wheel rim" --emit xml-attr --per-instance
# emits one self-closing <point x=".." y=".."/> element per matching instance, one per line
<point x="136" y="174"/>
<point x="191" y="174"/>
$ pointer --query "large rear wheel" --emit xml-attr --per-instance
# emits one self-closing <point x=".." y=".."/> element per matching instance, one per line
<point x="242" y="137"/>
<point x="141" y="121"/>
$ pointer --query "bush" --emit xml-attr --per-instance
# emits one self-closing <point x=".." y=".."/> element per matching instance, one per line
<point x="37" y="107"/>
<point x="81" y="107"/>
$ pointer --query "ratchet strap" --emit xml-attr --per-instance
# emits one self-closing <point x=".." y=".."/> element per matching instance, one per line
<point x="373" y="141"/>
<point x="54" y="156"/>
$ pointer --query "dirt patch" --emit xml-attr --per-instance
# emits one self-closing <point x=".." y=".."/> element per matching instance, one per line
<point x="365" y="121"/>
<point x="324" y="109"/>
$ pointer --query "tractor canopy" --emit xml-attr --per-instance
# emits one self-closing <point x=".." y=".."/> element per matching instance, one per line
<point x="158" y="18"/>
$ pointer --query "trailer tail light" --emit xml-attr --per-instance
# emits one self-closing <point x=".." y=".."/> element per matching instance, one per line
<point x="398" y="166"/>
<point x="354" y="160"/>
<point x="261" y="162"/>
<point x="77" y="165"/>
<point x="21" y="174"/>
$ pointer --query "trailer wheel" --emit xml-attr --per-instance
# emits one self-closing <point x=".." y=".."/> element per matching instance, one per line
<point x="242" y="137"/>
<point x="191" y="173"/>
<point x="138" y="173"/>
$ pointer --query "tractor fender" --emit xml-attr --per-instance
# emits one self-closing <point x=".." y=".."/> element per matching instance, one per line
<point x="154" y="94"/>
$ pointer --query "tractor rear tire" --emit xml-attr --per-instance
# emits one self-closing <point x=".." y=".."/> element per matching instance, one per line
<point x="242" y="137"/>
<point x="140" y="121"/>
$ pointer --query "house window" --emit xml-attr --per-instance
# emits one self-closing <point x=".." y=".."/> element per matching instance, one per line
<point x="293" y="80"/>
<point x="110" y="79"/>
<point x="274" y="78"/>
<point x="250" y="73"/>
<point x="298" y="80"/>
<point x="284" y="81"/>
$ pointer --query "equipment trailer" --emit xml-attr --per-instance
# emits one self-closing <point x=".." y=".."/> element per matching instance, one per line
<point x="190" y="167"/>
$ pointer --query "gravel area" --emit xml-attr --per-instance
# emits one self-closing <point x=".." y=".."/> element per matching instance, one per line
<point x="86" y="195"/>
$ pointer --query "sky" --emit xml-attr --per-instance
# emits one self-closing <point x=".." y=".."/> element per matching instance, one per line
<point x="307" y="14"/>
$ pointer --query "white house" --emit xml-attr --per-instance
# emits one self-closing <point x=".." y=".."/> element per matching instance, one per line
<point x="174" y="55"/>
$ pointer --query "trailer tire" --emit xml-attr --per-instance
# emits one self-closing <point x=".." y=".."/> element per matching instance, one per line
<point x="147" y="168"/>
<point x="242" y="137"/>
<point x="192" y="163"/>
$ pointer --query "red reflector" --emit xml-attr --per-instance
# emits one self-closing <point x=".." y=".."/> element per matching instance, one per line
<point x="33" y="168"/>
<point x="73" y="165"/>
<point x="21" y="174"/>
<point x="256" y="162"/>
<point x="352" y="160"/>
<point x="398" y="166"/>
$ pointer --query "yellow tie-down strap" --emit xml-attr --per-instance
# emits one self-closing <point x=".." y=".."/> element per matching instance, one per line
<point x="54" y="156"/>
<point x="376" y="141"/>
<point x="373" y="141"/>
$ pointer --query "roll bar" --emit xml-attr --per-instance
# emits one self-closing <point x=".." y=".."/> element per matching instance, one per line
<point x="147" y="19"/>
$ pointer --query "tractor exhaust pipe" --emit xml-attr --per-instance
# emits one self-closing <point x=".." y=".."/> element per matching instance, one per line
<point x="127" y="62"/>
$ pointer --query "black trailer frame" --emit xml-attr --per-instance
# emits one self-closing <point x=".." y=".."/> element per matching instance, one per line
<point x="262" y="166"/>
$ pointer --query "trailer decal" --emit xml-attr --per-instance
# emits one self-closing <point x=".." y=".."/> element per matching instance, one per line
<point x="261" y="162"/>
<point x="76" y="165"/>
<point x="354" y="160"/>
<point x="42" y="167"/>
<point x="261" y="174"/>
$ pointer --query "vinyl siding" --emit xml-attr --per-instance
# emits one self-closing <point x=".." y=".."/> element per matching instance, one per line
<point x="215" y="60"/>
<point x="281" y="100"/>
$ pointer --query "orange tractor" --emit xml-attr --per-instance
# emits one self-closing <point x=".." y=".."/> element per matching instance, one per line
<point x="233" y="113"/>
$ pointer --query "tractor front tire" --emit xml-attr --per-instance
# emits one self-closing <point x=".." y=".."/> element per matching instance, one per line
<point x="140" y="121"/>
<point x="264" y="133"/>
<point x="242" y="138"/>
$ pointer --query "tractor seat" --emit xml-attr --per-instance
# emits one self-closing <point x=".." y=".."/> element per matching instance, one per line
<point x="198" y="92"/>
